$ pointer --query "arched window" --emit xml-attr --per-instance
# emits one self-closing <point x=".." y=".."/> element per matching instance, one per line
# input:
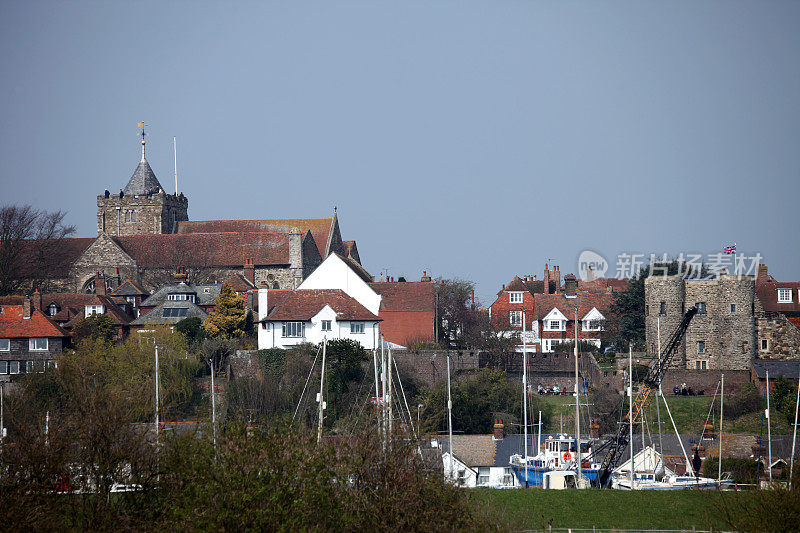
<point x="276" y="286"/>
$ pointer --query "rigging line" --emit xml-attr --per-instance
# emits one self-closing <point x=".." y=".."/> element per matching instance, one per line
<point x="414" y="431"/>
<point x="710" y="409"/>
<point x="353" y="405"/>
<point x="306" y="385"/>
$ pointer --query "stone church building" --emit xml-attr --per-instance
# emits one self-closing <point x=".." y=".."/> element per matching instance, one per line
<point x="144" y="234"/>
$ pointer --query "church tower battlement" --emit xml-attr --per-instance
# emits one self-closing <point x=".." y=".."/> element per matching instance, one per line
<point x="142" y="207"/>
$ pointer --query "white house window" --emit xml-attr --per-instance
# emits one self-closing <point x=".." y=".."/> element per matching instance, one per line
<point x="701" y="346"/>
<point x="784" y="296"/>
<point x="29" y="367"/>
<point x="508" y="477"/>
<point x="516" y="318"/>
<point x="592" y="325"/>
<point x="131" y="300"/>
<point x="94" y="310"/>
<point x="326" y="325"/>
<point x="483" y="475"/>
<point x="181" y="297"/>
<point x="5" y="345"/>
<point x="356" y="327"/>
<point x="171" y="312"/>
<point x="515" y="297"/>
<point x="293" y="329"/>
<point x="13" y="367"/>
<point x="3" y="367"/>
<point x="553" y="325"/>
<point x="37" y="344"/>
<point x="462" y="477"/>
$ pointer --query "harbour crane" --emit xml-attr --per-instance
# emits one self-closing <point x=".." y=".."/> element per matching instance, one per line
<point x="616" y="446"/>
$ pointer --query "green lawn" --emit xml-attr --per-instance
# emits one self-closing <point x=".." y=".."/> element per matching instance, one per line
<point x="535" y="508"/>
<point x="689" y="413"/>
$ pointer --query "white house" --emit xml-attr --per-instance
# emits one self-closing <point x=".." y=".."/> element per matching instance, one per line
<point x="337" y="272"/>
<point x="480" y="460"/>
<point x="288" y="318"/>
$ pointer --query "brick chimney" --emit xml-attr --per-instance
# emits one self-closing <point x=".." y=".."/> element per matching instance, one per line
<point x="499" y="429"/>
<point x="100" y="283"/>
<point x="570" y="286"/>
<point x="180" y="276"/>
<point x="546" y="279"/>
<point x="250" y="271"/>
<point x="26" y="307"/>
<point x="557" y="278"/>
<point x="37" y="299"/>
<point x="425" y="276"/>
<point x="762" y="273"/>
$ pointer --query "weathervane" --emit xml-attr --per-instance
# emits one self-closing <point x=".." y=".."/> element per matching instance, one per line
<point x="142" y="133"/>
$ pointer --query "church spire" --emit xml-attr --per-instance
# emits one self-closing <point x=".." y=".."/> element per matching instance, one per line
<point x="142" y="133"/>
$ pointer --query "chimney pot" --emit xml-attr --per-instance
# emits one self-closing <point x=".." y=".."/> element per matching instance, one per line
<point x="26" y="307"/>
<point x="499" y="429"/>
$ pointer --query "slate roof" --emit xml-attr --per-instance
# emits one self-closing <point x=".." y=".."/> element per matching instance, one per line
<point x="143" y="180"/>
<point x="13" y="325"/>
<point x="787" y="369"/>
<point x="156" y="315"/>
<point x="206" y="294"/>
<point x="305" y="304"/>
<point x="206" y="249"/>
<point x="405" y="296"/>
<point x="320" y="228"/>
<point x="129" y="288"/>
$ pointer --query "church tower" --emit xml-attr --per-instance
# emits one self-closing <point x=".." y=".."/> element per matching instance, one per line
<point x="142" y="207"/>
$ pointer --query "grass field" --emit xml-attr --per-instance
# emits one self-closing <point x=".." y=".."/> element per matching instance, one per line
<point x="689" y="413"/>
<point x="535" y="508"/>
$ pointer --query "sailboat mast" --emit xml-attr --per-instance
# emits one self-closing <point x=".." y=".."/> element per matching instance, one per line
<point x="525" y="394"/>
<point x="630" y="403"/>
<point x="577" y="404"/>
<point x="721" y="402"/>
<point x="794" y="434"/>
<point x="660" y="392"/>
<point x="377" y="391"/>
<point x="449" y="416"/>
<point x="769" y="433"/>
<point x="321" y="399"/>
<point x="389" y="386"/>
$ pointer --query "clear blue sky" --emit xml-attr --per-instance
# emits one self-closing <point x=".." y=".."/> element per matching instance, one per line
<point x="471" y="139"/>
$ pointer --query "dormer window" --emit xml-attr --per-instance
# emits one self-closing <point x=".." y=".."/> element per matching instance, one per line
<point x="515" y="297"/>
<point x="181" y="297"/>
<point x="784" y="296"/>
<point x="52" y="309"/>
<point x="94" y="310"/>
<point x="554" y="325"/>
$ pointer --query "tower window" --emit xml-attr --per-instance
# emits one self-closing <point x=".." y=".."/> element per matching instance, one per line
<point x="701" y="308"/>
<point x="131" y="216"/>
<point x="662" y="310"/>
<point x="733" y="308"/>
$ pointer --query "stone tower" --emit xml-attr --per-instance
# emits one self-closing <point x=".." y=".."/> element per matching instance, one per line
<point x="142" y="207"/>
<point x="664" y="308"/>
<point x="721" y="336"/>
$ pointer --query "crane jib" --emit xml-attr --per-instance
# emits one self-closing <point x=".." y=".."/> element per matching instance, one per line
<point x="616" y="446"/>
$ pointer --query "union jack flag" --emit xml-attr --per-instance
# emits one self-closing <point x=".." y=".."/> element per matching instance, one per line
<point x="730" y="249"/>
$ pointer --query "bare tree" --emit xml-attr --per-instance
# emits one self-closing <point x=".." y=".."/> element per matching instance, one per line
<point x="31" y="246"/>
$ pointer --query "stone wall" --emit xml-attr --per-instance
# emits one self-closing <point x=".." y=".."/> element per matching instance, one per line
<point x="154" y="214"/>
<point x="722" y="338"/>
<point x="781" y="336"/>
<point x="705" y="380"/>
<point x="430" y="366"/>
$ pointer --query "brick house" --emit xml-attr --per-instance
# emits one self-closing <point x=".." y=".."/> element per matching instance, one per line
<point x="407" y="309"/>
<point x="549" y="309"/>
<point x="29" y="341"/>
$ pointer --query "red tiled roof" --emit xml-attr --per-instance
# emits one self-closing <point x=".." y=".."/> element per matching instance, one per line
<point x="320" y="228"/>
<point x="767" y="292"/>
<point x="61" y="256"/>
<point x="12" y="325"/>
<point x="544" y="303"/>
<point x="73" y="306"/>
<point x="405" y="296"/>
<point x="206" y="249"/>
<point x="239" y="283"/>
<point x="305" y="304"/>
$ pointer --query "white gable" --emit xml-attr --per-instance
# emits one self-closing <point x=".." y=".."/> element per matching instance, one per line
<point x="335" y="273"/>
<point x="555" y="314"/>
<point x="593" y="315"/>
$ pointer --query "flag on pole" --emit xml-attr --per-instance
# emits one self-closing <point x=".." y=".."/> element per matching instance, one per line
<point x="730" y="249"/>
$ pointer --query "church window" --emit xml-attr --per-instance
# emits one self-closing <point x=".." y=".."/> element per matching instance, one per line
<point x="276" y="285"/>
<point x="701" y="347"/>
<point x="662" y="309"/>
<point x="701" y="308"/>
<point x="131" y="216"/>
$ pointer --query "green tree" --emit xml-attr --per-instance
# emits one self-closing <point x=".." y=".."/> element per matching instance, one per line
<point x="95" y="327"/>
<point x="229" y="318"/>
<point x="192" y="329"/>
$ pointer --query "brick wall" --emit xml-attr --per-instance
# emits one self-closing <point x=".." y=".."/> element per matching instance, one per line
<point x="405" y="327"/>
